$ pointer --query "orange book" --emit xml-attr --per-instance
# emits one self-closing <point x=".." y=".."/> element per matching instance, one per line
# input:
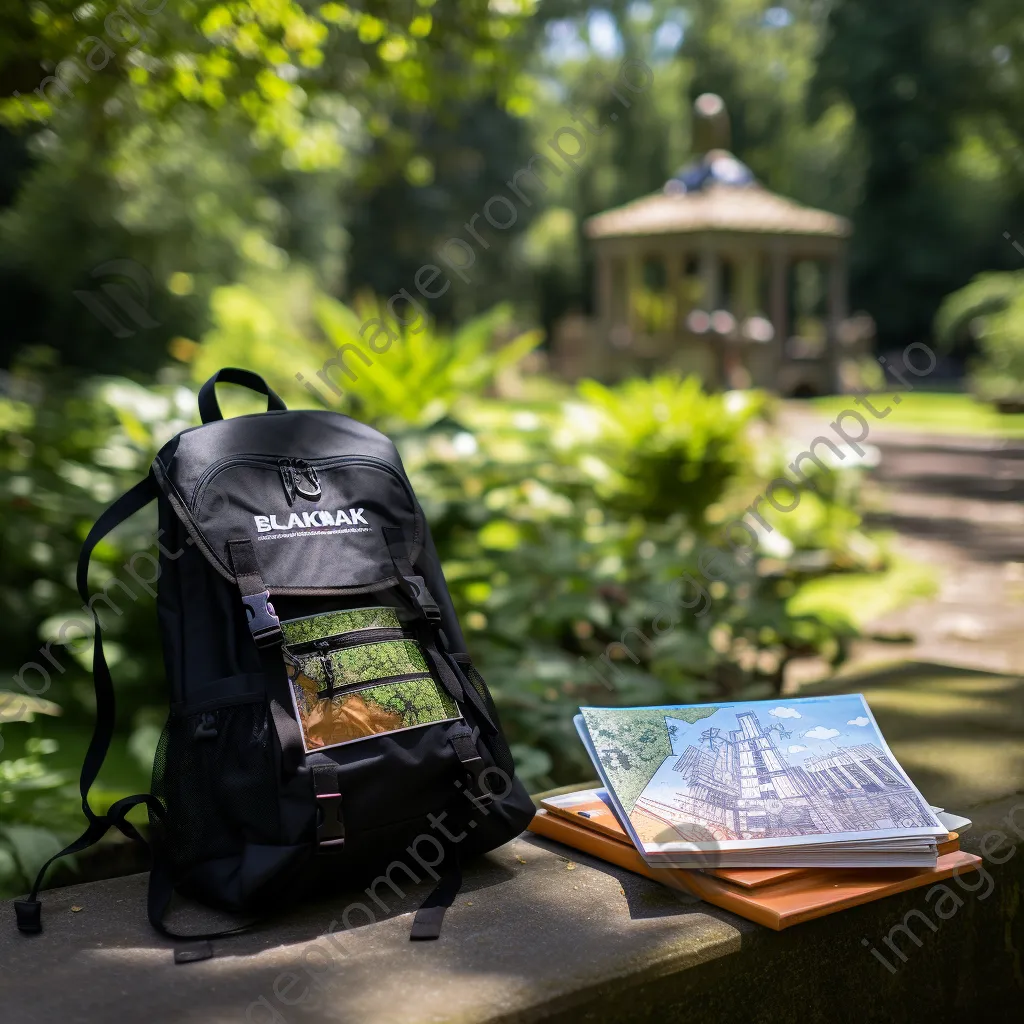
<point x="779" y="904"/>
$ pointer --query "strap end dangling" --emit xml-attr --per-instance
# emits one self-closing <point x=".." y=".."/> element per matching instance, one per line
<point x="29" y="915"/>
<point x="426" y="925"/>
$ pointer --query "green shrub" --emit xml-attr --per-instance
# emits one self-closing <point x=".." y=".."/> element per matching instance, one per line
<point x="990" y="310"/>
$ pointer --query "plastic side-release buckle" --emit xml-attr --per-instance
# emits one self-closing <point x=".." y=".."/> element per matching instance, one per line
<point x="423" y="598"/>
<point x="330" y="826"/>
<point x="264" y="624"/>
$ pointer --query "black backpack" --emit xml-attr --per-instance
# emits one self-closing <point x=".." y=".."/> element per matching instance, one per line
<point x="326" y="723"/>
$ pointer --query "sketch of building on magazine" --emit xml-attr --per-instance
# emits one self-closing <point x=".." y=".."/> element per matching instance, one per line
<point x="738" y="784"/>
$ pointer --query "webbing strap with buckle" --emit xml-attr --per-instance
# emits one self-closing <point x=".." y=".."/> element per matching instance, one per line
<point x="264" y="624"/>
<point x="413" y="584"/>
<point x="268" y="636"/>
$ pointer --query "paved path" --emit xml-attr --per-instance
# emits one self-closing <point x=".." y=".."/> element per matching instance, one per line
<point x="956" y="503"/>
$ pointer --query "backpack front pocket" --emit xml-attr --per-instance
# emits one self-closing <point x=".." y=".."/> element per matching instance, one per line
<point x="358" y="673"/>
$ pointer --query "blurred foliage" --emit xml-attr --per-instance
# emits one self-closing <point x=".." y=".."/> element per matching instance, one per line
<point x="263" y="60"/>
<point x="205" y="140"/>
<point x="68" y="447"/>
<point x="991" y="311"/>
<point x="667" y="446"/>
<point x="396" y="373"/>
<point x="934" y="88"/>
<point x="200" y="139"/>
<point x="35" y="801"/>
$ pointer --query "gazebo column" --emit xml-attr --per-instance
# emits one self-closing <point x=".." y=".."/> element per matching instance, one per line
<point x="748" y="267"/>
<point x="778" y="299"/>
<point x="711" y="279"/>
<point x="758" y="357"/>
<point x="635" y="279"/>
<point x="675" y="271"/>
<point x="711" y="287"/>
<point x="603" y="283"/>
<point x="838" y="310"/>
<point x="598" y="359"/>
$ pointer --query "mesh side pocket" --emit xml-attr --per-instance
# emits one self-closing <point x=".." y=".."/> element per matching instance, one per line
<point x="498" y="744"/>
<point x="214" y="773"/>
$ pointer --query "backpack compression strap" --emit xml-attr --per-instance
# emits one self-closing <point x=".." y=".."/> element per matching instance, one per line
<point x="265" y="627"/>
<point x="433" y="639"/>
<point x="29" y="912"/>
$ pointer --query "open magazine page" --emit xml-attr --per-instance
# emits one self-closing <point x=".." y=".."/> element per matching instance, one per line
<point x="754" y="775"/>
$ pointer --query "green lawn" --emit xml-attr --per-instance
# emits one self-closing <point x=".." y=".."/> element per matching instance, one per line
<point x="933" y="411"/>
<point x="858" y="598"/>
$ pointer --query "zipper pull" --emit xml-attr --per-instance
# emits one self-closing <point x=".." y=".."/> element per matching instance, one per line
<point x="327" y="693"/>
<point x="304" y="469"/>
<point x="288" y="479"/>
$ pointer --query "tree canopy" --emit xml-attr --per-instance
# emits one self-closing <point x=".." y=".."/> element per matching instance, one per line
<point x="197" y="142"/>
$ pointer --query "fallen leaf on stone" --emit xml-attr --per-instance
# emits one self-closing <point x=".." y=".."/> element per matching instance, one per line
<point x="75" y="910"/>
<point x="570" y="866"/>
<point x="522" y="860"/>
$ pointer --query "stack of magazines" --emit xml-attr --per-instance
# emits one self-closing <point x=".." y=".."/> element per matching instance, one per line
<point x="779" y="810"/>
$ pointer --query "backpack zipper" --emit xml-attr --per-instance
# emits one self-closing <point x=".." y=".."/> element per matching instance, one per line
<point x="354" y="638"/>
<point x="327" y="646"/>
<point x="330" y="693"/>
<point x="316" y="465"/>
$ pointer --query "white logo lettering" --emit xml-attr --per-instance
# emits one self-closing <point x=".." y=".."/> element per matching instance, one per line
<point x="312" y="520"/>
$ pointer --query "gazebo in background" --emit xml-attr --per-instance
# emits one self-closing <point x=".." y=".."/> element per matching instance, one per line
<point x="717" y="276"/>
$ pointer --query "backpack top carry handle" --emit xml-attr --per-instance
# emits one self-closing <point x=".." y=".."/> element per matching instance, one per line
<point x="209" y="409"/>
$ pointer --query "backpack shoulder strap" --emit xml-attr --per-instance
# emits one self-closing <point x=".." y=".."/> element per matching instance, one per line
<point x="29" y="912"/>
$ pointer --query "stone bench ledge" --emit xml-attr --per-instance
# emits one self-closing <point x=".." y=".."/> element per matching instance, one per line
<point x="542" y="933"/>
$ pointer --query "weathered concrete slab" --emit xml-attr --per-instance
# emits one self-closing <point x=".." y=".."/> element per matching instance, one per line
<point x="531" y="928"/>
<point x="540" y="933"/>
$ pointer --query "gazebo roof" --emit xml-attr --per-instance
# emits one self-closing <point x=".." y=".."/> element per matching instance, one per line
<point x="718" y="193"/>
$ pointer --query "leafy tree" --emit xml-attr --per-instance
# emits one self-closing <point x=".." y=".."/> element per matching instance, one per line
<point x="930" y="90"/>
<point x="173" y="134"/>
